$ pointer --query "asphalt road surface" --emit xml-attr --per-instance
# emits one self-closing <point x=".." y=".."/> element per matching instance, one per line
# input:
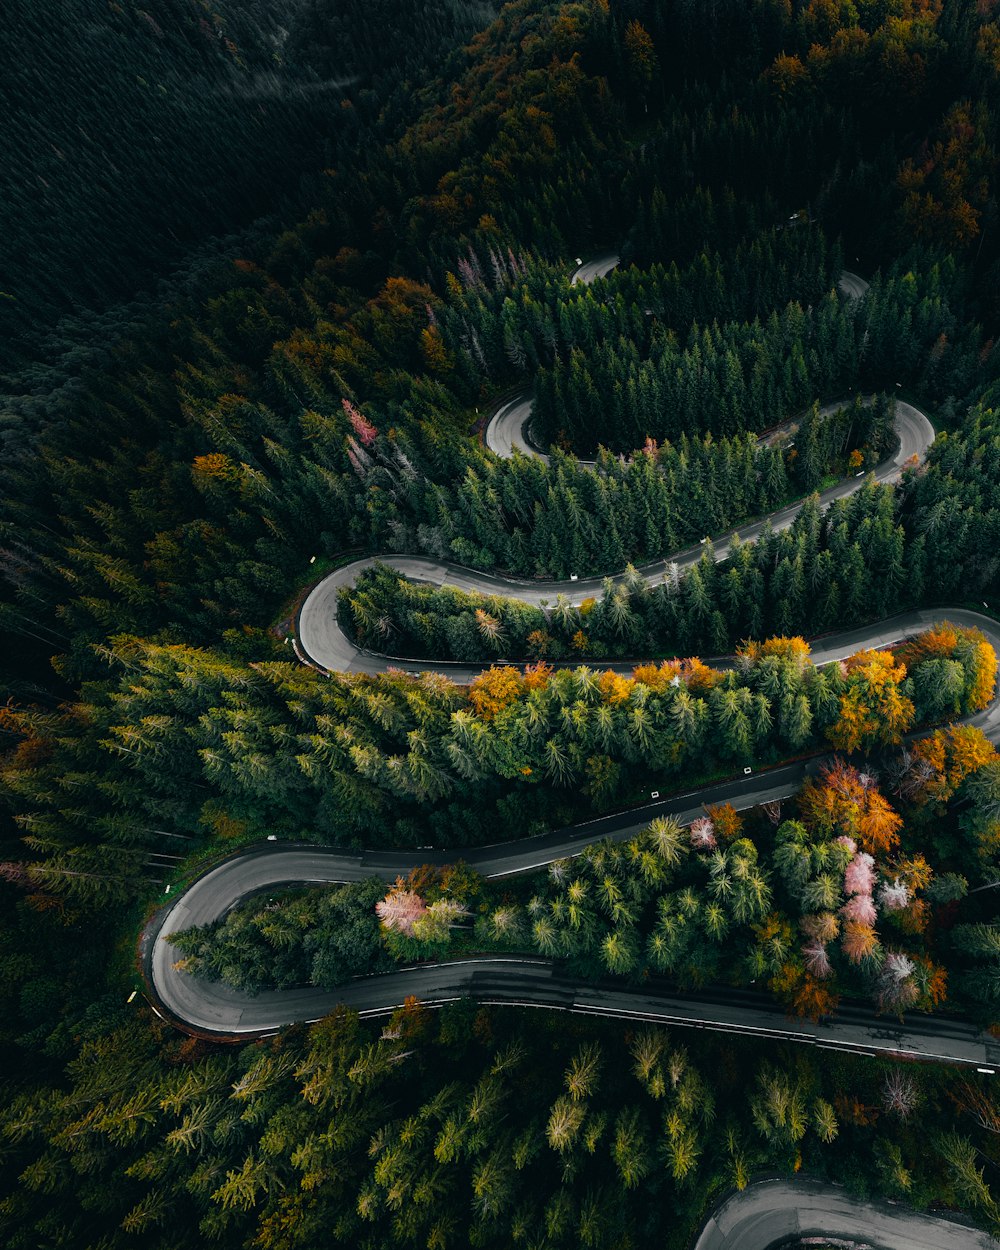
<point x="506" y="431"/>
<point x="851" y="285"/>
<point x="214" y="1009"/>
<point x="771" y="1211"/>
<point x="323" y="642"/>
<point x="599" y="267"/>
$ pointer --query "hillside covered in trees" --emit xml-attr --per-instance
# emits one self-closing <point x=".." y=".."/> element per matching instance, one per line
<point x="266" y="270"/>
<point x="833" y="900"/>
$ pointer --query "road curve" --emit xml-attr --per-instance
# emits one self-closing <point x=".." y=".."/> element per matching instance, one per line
<point x="214" y="1009"/>
<point x="771" y="1211"/>
<point x="590" y="270"/>
<point x="219" y="1011"/>
<point x="851" y="285"/>
<point x="323" y="642"/>
<point x="506" y="430"/>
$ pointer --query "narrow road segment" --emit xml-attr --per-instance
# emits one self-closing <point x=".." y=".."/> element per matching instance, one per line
<point x="324" y="643"/>
<point x="218" y="1011"/>
<point x="215" y="1010"/>
<point x="769" y="1212"/>
<point x="507" y="429"/>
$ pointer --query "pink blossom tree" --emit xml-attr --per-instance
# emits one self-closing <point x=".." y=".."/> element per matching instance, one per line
<point x="400" y="909"/>
<point x="703" y="834"/>
<point x="360" y="460"/>
<point x="859" y="875"/>
<point x="860" y="910"/>
<point x="361" y="426"/>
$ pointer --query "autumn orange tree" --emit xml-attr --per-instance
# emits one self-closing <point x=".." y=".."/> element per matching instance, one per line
<point x="873" y="709"/>
<point x="958" y="762"/>
<point x="845" y="802"/>
<point x="953" y="669"/>
<point x="947" y="187"/>
<point x="806" y="996"/>
<point x="699" y="677"/>
<point x="658" y="676"/>
<point x="933" y="644"/>
<point x="727" y="823"/>
<point x="948" y="757"/>
<point x="879" y="824"/>
<point x="492" y="691"/>
<point x="614" y="687"/>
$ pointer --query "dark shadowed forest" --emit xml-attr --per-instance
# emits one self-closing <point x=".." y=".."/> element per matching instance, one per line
<point x="265" y="270"/>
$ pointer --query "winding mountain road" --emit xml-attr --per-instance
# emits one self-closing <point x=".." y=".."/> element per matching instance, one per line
<point x="324" y="643"/>
<point x="217" y="1011"/>
<point x="507" y="429"/>
<point x="764" y="1213"/>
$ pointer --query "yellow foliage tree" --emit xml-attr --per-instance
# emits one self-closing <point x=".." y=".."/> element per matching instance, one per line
<point x="641" y="53"/>
<point x="214" y="469"/>
<point x="983" y="661"/>
<point x="657" y="676"/>
<point x="436" y="355"/>
<point x="952" y="753"/>
<point x="614" y="687"/>
<point x="969" y="647"/>
<point x="873" y="708"/>
<point x="494" y="690"/>
<point x="794" y="648"/>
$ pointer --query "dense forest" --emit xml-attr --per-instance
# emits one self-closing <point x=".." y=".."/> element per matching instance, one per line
<point x="174" y="128"/>
<point x="265" y="272"/>
<point x="793" y="903"/>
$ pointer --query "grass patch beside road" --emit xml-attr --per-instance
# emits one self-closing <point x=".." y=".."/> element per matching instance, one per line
<point x="283" y="624"/>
